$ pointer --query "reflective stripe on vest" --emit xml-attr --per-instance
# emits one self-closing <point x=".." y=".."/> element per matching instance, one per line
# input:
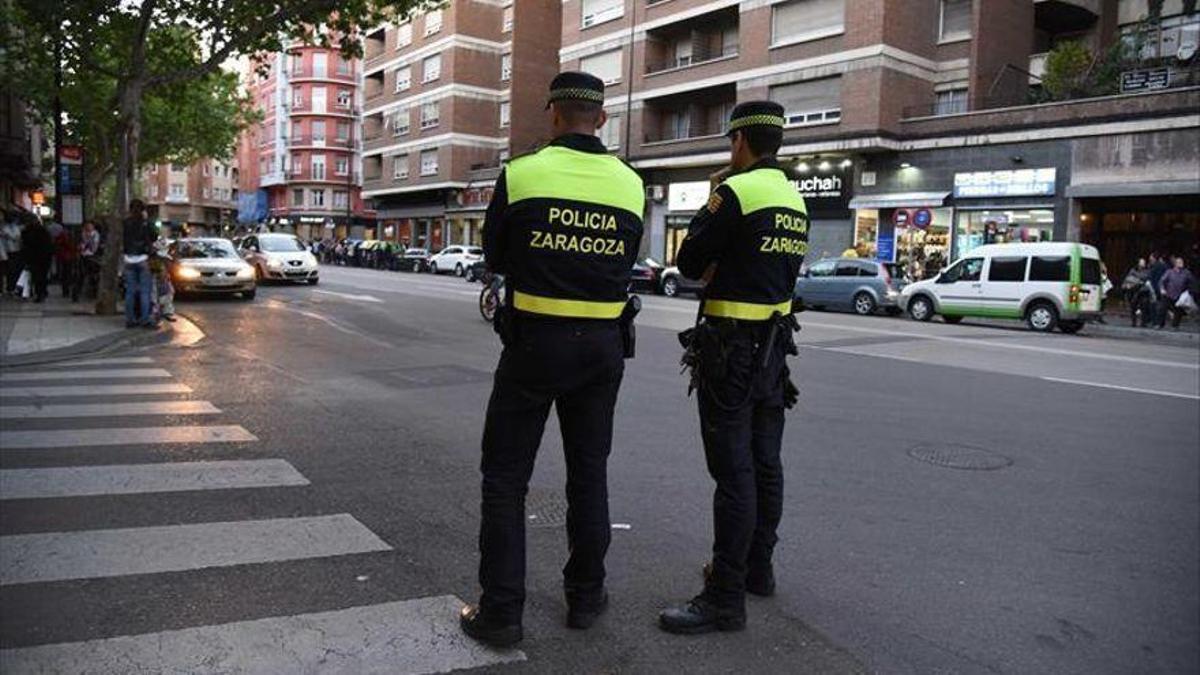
<point x="746" y="311"/>
<point x="573" y="309"/>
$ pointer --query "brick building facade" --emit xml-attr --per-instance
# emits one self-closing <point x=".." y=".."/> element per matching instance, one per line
<point x="202" y="196"/>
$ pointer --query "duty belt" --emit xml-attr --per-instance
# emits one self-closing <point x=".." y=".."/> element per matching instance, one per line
<point x="574" y="309"/>
<point x="746" y="311"/>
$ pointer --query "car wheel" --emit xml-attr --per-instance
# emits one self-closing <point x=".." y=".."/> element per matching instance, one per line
<point x="920" y="308"/>
<point x="864" y="304"/>
<point x="433" y="268"/>
<point x="313" y="281"/>
<point x="249" y="295"/>
<point x="1042" y="317"/>
<point x="953" y="318"/>
<point x="458" y="270"/>
<point x="670" y="287"/>
<point x="1070" y="327"/>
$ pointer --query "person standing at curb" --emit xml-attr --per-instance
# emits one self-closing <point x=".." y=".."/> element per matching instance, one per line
<point x="1175" y="282"/>
<point x="38" y="251"/>
<point x="11" y="234"/>
<point x="137" y="239"/>
<point x="89" y="262"/>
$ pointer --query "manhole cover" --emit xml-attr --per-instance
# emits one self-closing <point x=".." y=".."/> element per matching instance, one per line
<point x="545" y="509"/>
<point x="958" y="456"/>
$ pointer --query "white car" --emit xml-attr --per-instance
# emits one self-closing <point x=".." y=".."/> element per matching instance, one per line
<point x="455" y="259"/>
<point x="280" y="256"/>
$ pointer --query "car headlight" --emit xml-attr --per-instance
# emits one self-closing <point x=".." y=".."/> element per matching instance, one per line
<point x="245" y="273"/>
<point x="188" y="273"/>
<point x="274" y="263"/>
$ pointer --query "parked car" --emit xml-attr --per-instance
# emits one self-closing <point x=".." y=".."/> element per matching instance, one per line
<point x="211" y="265"/>
<point x="864" y="286"/>
<point x="645" y="276"/>
<point x="414" y="260"/>
<point x="1048" y="284"/>
<point x="673" y="283"/>
<point x="281" y="257"/>
<point x="455" y="259"/>
<point x="475" y="272"/>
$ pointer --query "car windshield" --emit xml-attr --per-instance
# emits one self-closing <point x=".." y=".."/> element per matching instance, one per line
<point x="207" y="248"/>
<point x="280" y="244"/>
<point x="475" y="250"/>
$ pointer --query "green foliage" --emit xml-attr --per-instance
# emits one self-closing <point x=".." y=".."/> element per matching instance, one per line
<point x="1068" y="67"/>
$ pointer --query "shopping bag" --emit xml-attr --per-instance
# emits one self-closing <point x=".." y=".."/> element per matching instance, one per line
<point x="25" y="284"/>
<point x="1186" y="302"/>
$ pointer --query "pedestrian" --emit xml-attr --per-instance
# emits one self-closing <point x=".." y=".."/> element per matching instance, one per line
<point x="564" y="226"/>
<point x="750" y="241"/>
<point x="39" y="252"/>
<point x="137" y="237"/>
<point x="11" y="234"/>
<point x="1175" y="282"/>
<point x="160" y="270"/>
<point x="64" y="260"/>
<point x="1158" y="267"/>
<point x="88" y="277"/>
<point x="1134" y="289"/>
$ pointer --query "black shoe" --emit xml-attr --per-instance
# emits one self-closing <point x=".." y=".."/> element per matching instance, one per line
<point x="581" y="615"/>
<point x="700" y="616"/>
<point x="761" y="584"/>
<point x="485" y="630"/>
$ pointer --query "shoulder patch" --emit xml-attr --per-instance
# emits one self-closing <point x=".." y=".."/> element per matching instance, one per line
<point x="714" y="201"/>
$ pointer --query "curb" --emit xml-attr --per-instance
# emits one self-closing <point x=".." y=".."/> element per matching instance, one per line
<point x="101" y="344"/>
<point x="1109" y="331"/>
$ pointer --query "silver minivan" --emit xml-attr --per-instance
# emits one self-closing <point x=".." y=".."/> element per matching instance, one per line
<point x="863" y="286"/>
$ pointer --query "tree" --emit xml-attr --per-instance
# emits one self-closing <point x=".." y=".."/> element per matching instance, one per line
<point x="127" y="30"/>
<point x="1068" y="66"/>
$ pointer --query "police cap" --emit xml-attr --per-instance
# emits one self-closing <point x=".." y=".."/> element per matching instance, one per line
<point x="574" y="86"/>
<point x="756" y="114"/>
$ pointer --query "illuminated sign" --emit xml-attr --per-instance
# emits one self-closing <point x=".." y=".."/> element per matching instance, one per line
<point x="1017" y="183"/>
<point x="688" y="196"/>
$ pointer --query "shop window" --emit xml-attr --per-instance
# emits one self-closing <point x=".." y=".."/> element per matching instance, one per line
<point x="1007" y="269"/>
<point x="801" y="20"/>
<point x="1050" y="268"/>
<point x="821" y="269"/>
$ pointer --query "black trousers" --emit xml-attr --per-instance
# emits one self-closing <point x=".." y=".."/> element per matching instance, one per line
<point x="741" y="424"/>
<point x="39" y="270"/>
<point x="577" y="367"/>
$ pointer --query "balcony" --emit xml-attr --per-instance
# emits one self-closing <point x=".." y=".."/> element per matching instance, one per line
<point x="1065" y="16"/>
<point x="693" y="115"/>
<point x="693" y="42"/>
<point x="308" y="73"/>
<point x="304" y="140"/>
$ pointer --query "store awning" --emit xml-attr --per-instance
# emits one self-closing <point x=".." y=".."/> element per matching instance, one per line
<point x="1154" y="188"/>
<point x="893" y="200"/>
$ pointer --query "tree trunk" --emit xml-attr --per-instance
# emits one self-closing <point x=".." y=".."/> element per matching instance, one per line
<point x="129" y="132"/>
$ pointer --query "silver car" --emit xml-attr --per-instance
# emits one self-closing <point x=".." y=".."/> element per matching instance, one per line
<point x="864" y="286"/>
<point x="211" y="265"/>
<point x="280" y="257"/>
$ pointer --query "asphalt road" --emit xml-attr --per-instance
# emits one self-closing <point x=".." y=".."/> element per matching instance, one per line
<point x="361" y="403"/>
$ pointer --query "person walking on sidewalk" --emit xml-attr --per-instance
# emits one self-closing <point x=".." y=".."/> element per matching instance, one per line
<point x="64" y="259"/>
<point x="1158" y="267"/>
<point x="88" y="276"/>
<point x="1138" y="296"/>
<point x="10" y="232"/>
<point x="39" y="251"/>
<point x="137" y="238"/>
<point x="1175" y="282"/>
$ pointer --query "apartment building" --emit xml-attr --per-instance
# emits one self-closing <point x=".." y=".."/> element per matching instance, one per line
<point x="202" y="196"/>
<point x="914" y="124"/>
<point x="302" y="167"/>
<point x="449" y="95"/>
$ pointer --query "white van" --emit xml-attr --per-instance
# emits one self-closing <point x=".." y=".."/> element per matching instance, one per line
<point x="1048" y="284"/>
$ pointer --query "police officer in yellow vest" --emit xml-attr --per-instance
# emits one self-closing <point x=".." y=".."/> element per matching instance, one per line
<point x="750" y="239"/>
<point x="563" y="226"/>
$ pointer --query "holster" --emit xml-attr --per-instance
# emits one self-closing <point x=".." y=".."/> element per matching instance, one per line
<point x="628" y="330"/>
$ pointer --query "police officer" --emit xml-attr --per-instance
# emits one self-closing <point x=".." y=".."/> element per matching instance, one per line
<point x="563" y="226"/>
<point x="750" y="239"/>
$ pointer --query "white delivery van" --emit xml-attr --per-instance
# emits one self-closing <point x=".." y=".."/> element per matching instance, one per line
<point x="1048" y="284"/>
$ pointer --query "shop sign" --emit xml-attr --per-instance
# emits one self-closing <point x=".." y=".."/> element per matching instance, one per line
<point x="901" y="217"/>
<point x="311" y="219"/>
<point x="825" y="191"/>
<point x="1018" y="183"/>
<point x="885" y="245"/>
<point x="1145" y="80"/>
<point x="688" y="196"/>
<point x="922" y="218"/>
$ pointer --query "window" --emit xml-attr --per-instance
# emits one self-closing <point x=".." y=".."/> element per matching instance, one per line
<point x="298" y="64"/>
<point x="964" y="270"/>
<point x="297" y="98"/>
<point x="341" y="199"/>
<point x="951" y="102"/>
<point x="429" y="115"/>
<point x="343" y="98"/>
<point x="400" y="167"/>
<point x="508" y="19"/>
<point x="343" y="65"/>
<point x="810" y="102"/>
<point x="431" y="68"/>
<point x="298" y="164"/>
<point x="343" y="131"/>
<point x="204" y="168"/>
<point x="318" y="132"/>
<point x="610" y="133"/>
<point x="318" y="99"/>
<point x="433" y="21"/>
<point x="682" y="50"/>
<point x="320" y="64"/>
<point x="297" y="197"/>
<point x="867" y="269"/>
<point x="956" y="20"/>
<point x="403" y="78"/>
<point x="729" y="41"/>
<point x="676" y="125"/>
<point x="598" y="11"/>
<point x="342" y="166"/>
<point x="403" y="35"/>
<point x="505" y="67"/>
<point x="318" y="167"/>
<point x="1007" y="269"/>
<point x="177" y="190"/>
<point x="400" y="122"/>
<point x="1050" y="268"/>
<point x="318" y="197"/>
<point x="606" y="66"/>
<point x="505" y="110"/>
<point x="821" y="269"/>
<point x="205" y="192"/>
<point x="178" y="168"/>
<point x="846" y="269"/>
<point x="429" y="162"/>
<point x="802" y="20"/>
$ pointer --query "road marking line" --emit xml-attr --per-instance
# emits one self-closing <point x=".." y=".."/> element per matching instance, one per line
<point x="67" y="438"/>
<point x="17" y="412"/>
<point x="92" y="554"/>
<point x="336" y="325"/>
<point x="1118" y="387"/>
<point x="122" y="374"/>
<point x="349" y="296"/>
<point x="93" y="390"/>
<point x="113" y="361"/>
<point x="83" y="481"/>
<point x="409" y="637"/>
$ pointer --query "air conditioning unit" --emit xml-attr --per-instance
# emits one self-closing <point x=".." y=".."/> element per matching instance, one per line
<point x="656" y="193"/>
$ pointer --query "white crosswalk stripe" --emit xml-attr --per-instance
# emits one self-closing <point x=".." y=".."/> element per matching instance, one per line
<point x="110" y="361"/>
<point x="120" y="374"/>
<point x="82" y="481"/>
<point x="94" y="390"/>
<point x="66" y="438"/>
<point x="117" y="410"/>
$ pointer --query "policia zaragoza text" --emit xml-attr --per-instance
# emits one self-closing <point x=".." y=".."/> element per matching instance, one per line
<point x="583" y="219"/>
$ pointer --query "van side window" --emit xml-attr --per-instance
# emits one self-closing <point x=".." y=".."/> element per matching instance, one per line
<point x="1007" y="269"/>
<point x="1050" y="268"/>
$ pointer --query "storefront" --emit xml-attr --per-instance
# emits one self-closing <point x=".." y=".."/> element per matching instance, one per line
<point x="911" y="229"/>
<point x="465" y="215"/>
<point x="683" y="200"/>
<point x="997" y="207"/>
<point x="416" y="225"/>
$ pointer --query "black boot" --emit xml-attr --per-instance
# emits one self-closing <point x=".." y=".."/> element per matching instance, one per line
<point x="701" y="616"/>
<point x="760" y="582"/>
<point x="489" y="631"/>
<point x="581" y="614"/>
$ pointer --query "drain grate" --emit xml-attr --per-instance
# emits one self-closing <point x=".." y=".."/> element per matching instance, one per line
<point x="545" y="508"/>
<point x="959" y="456"/>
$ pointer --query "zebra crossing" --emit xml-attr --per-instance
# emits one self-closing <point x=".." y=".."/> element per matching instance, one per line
<point x="51" y="410"/>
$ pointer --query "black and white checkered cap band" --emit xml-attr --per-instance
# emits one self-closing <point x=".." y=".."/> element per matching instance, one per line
<point x="576" y="94"/>
<point x="756" y="120"/>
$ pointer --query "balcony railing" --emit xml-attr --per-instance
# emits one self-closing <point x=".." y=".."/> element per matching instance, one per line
<point x="303" y="140"/>
<point x="689" y="134"/>
<point x="329" y="74"/>
<point x="696" y="58"/>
